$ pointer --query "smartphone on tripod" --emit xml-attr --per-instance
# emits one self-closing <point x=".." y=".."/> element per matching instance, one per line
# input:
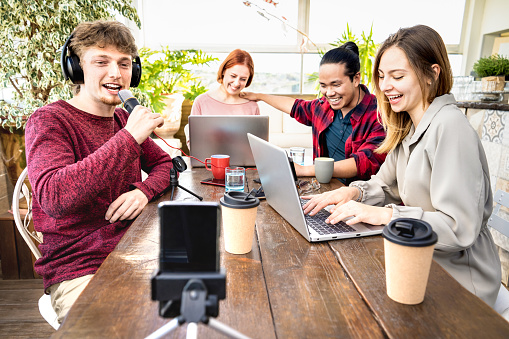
<point x="189" y="250"/>
<point x="189" y="236"/>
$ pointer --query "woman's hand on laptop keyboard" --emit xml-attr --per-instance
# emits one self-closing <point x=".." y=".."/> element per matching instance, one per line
<point x="359" y="212"/>
<point x="339" y="196"/>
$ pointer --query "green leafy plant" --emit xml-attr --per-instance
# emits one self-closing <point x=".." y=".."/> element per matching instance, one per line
<point x="493" y="65"/>
<point x="195" y="90"/>
<point x="367" y="53"/>
<point x="32" y="34"/>
<point x="168" y="71"/>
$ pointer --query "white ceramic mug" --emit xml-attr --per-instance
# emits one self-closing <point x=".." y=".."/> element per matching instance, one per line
<point x="324" y="168"/>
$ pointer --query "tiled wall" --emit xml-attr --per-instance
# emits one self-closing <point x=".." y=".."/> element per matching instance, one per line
<point x="493" y="129"/>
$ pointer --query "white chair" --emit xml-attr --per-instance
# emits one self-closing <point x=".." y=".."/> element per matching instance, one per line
<point x="31" y="237"/>
<point x="496" y="222"/>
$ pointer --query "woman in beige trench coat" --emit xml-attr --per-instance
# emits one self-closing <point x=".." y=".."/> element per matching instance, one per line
<point x="436" y="169"/>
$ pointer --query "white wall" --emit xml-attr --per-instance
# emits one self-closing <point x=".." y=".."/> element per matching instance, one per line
<point x="485" y="20"/>
<point x="496" y="14"/>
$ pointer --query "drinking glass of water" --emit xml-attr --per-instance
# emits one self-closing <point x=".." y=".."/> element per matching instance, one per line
<point x="297" y="154"/>
<point x="234" y="178"/>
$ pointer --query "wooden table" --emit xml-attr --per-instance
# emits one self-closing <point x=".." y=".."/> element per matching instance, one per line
<point x="285" y="287"/>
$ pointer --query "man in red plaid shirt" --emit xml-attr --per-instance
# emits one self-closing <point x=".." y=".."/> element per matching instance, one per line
<point x="345" y="125"/>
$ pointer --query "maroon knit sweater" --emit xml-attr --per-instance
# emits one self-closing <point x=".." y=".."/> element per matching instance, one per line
<point x="78" y="164"/>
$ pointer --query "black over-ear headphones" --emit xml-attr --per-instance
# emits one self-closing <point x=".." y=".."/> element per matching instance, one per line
<point x="72" y="70"/>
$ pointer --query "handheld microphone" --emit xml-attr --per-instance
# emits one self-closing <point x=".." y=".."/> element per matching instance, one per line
<point x="128" y="100"/>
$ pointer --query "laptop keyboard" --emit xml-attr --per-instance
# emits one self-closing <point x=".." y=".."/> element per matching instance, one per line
<point x="317" y="222"/>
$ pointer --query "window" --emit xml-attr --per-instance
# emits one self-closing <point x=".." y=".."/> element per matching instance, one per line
<point x="219" y="26"/>
<point x="446" y="17"/>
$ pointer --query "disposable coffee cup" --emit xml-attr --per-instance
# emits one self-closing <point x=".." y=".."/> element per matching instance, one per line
<point x="408" y="246"/>
<point x="238" y="211"/>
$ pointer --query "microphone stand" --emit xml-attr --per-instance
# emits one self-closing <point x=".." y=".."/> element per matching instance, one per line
<point x="174" y="182"/>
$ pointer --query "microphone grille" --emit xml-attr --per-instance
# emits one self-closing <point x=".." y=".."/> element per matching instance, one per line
<point x="125" y="95"/>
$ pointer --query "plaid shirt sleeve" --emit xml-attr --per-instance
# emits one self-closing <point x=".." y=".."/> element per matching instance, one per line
<point x="367" y="134"/>
<point x="317" y="114"/>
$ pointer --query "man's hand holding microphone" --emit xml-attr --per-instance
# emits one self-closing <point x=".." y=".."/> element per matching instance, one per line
<point x="140" y="124"/>
<point x="142" y="121"/>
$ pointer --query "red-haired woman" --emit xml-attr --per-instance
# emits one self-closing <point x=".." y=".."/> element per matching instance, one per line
<point x="235" y="73"/>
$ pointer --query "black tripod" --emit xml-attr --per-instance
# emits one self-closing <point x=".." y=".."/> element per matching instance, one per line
<point x="180" y="166"/>
<point x="197" y="305"/>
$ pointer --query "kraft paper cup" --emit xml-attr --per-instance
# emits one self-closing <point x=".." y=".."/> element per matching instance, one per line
<point x="239" y="218"/>
<point x="324" y="168"/>
<point x="408" y="246"/>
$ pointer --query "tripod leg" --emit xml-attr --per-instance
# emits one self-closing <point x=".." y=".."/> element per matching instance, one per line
<point x="161" y="332"/>
<point x="225" y="329"/>
<point x="188" y="191"/>
<point x="172" y="191"/>
<point x="192" y="331"/>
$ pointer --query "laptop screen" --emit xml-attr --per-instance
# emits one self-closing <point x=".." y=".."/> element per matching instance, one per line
<point x="225" y="134"/>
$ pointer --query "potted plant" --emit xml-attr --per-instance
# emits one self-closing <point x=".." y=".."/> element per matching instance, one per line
<point x="492" y="70"/>
<point x="367" y="52"/>
<point x="32" y="33"/>
<point x="167" y="78"/>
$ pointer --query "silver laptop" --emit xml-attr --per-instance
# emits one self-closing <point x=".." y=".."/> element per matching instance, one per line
<point x="225" y="134"/>
<point x="281" y="193"/>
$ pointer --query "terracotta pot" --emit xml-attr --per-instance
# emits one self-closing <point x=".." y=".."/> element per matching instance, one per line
<point x="186" y="111"/>
<point x="172" y="115"/>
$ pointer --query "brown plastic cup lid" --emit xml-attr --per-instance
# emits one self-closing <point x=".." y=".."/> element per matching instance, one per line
<point x="410" y="232"/>
<point x="240" y="200"/>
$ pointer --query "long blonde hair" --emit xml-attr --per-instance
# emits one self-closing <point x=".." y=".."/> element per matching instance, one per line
<point x="423" y="48"/>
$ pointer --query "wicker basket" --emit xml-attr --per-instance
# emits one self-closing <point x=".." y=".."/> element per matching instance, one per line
<point x="493" y="84"/>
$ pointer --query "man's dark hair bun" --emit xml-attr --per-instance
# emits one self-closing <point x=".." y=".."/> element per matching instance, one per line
<point x="351" y="46"/>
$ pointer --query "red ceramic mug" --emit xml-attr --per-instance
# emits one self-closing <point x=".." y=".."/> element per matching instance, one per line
<point x="217" y="162"/>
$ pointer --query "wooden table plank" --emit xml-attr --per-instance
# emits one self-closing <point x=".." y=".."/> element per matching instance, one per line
<point x="309" y="292"/>
<point x="323" y="299"/>
<point x="448" y="309"/>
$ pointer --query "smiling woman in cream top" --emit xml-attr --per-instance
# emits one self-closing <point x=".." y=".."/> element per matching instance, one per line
<point x="235" y="73"/>
<point x="207" y="104"/>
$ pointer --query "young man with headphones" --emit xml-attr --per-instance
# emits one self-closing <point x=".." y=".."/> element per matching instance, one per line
<point x="85" y="158"/>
